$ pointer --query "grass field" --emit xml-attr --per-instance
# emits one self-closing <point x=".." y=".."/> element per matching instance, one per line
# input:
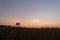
<point x="18" y="33"/>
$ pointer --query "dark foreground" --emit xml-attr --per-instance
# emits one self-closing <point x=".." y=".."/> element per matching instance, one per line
<point x="15" y="33"/>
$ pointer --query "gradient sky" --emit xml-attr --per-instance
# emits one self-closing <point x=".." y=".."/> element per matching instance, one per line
<point x="30" y="12"/>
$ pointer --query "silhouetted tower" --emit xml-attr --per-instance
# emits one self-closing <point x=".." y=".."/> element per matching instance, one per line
<point x="17" y="24"/>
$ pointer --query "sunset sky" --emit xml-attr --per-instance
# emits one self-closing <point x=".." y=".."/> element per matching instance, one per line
<point x="31" y="13"/>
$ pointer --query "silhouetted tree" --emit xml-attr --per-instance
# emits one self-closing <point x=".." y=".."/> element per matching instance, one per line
<point x="18" y="24"/>
<point x="9" y="26"/>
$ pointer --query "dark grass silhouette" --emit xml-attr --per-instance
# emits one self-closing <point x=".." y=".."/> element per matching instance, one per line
<point x="18" y="33"/>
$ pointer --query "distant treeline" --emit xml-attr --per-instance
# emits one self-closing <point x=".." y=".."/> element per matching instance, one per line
<point x="28" y="27"/>
<point x="5" y="26"/>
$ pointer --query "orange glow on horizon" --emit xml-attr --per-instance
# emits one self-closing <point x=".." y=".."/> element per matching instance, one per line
<point x="31" y="23"/>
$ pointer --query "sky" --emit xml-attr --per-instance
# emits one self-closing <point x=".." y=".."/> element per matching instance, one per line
<point x="30" y="13"/>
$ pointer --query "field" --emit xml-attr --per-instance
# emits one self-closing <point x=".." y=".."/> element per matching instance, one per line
<point x="18" y="33"/>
